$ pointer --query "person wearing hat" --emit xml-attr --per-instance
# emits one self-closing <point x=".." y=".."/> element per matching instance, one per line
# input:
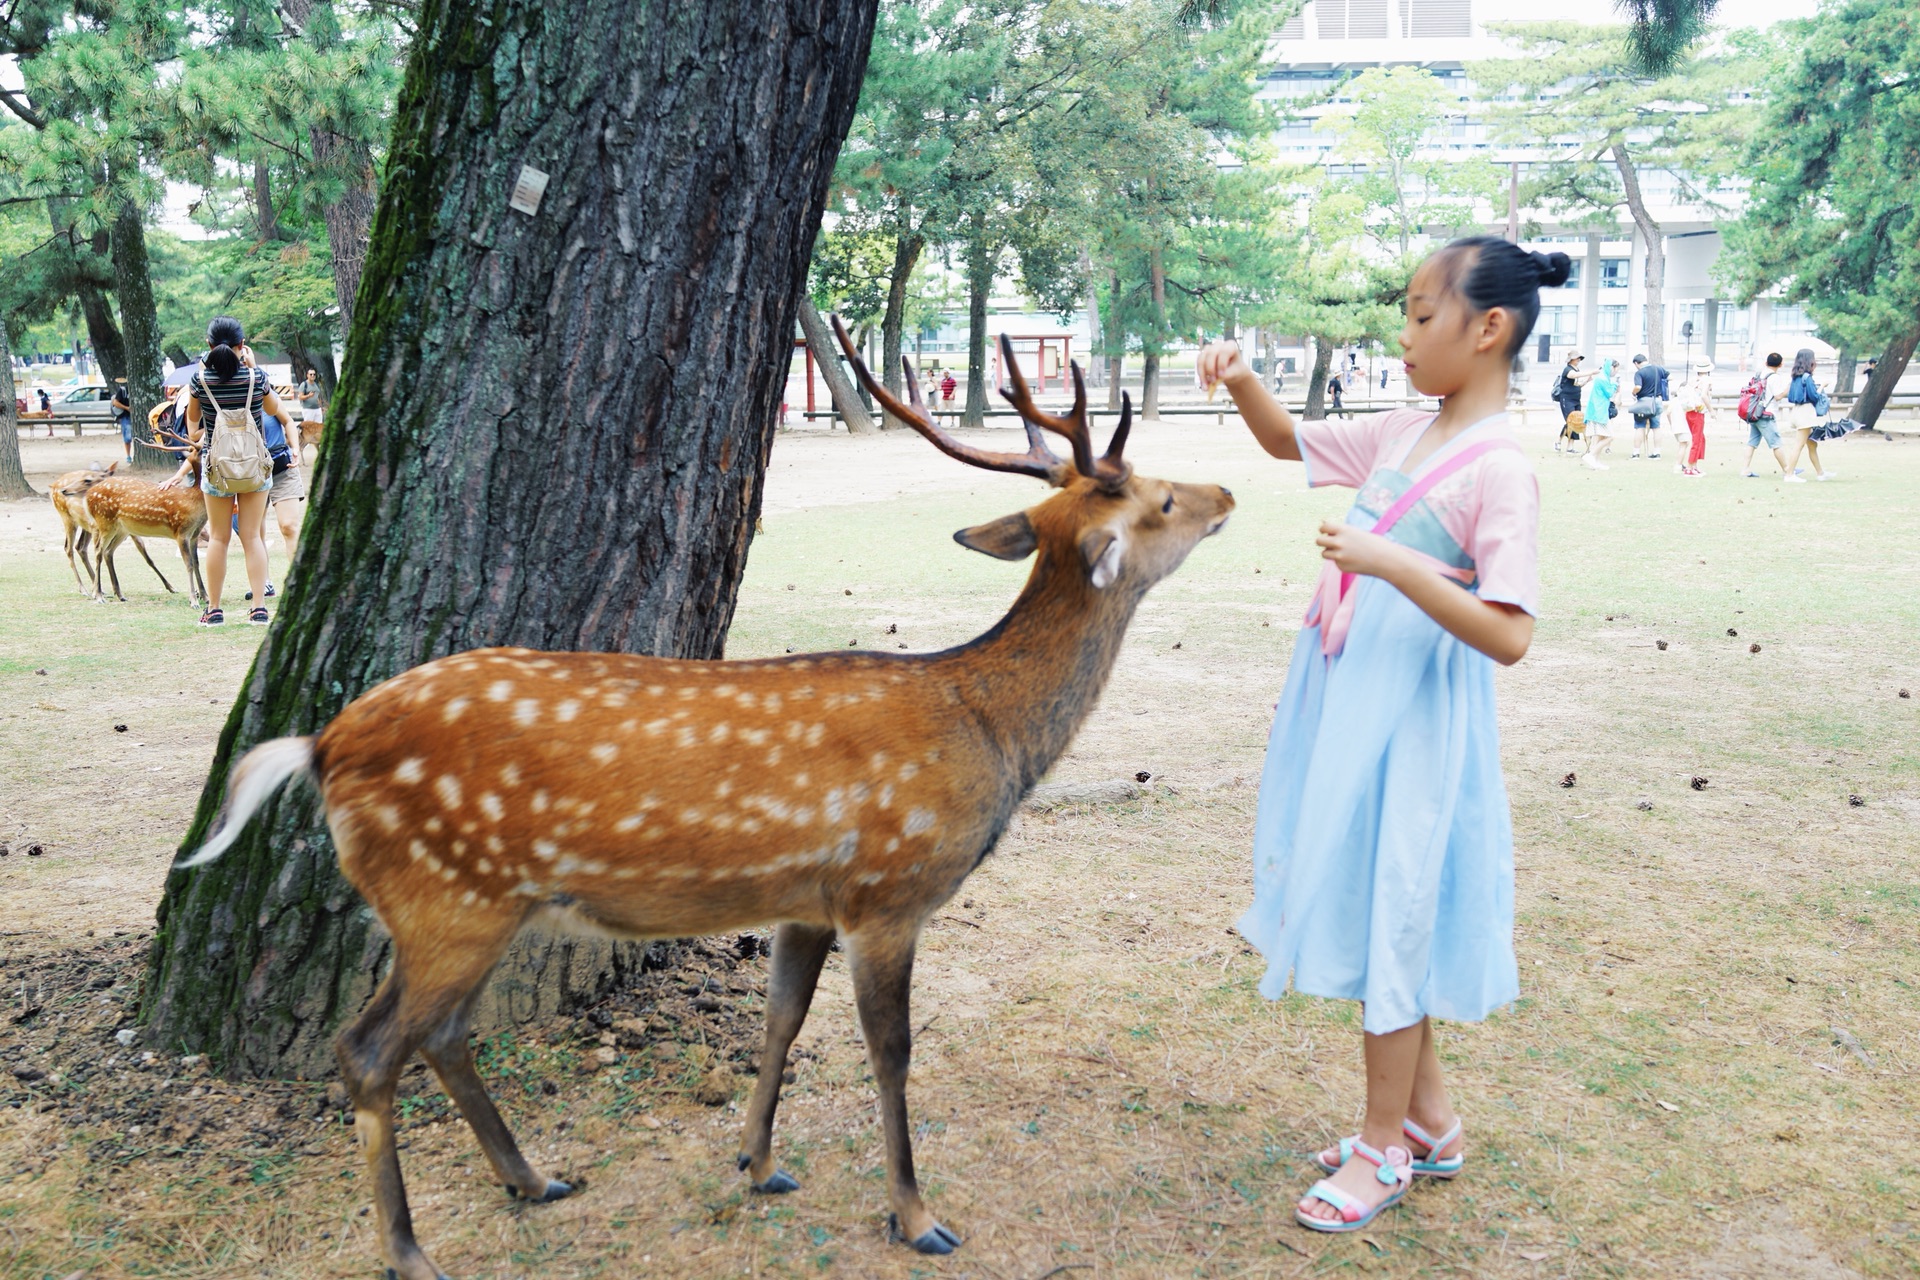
<point x="1566" y="393"/>
<point x="1695" y="402"/>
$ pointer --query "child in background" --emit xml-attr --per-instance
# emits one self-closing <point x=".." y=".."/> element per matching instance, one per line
<point x="1695" y="401"/>
<point x="1383" y="849"/>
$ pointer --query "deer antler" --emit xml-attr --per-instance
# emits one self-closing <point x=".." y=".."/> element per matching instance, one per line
<point x="1108" y="469"/>
<point x="1038" y="461"/>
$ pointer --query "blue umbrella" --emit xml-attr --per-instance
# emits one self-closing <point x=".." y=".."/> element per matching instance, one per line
<point x="182" y="376"/>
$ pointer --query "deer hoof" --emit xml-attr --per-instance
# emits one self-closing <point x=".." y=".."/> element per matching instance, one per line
<point x="778" y="1184"/>
<point x="556" y="1190"/>
<point x="935" y="1240"/>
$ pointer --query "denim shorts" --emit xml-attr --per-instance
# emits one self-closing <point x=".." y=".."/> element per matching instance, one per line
<point x="1763" y="430"/>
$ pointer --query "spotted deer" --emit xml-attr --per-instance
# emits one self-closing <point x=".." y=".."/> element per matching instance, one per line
<point x="833" y="795"/>
<point x="122" y="508"/>
<point x="69" y="504"/>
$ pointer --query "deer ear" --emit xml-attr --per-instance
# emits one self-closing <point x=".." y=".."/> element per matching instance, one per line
<point x="1008" y="538"/>
<point x="1103" y="551"/>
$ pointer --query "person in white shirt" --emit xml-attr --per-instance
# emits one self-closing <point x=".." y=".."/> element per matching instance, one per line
<point x="1800" y="413"/>
<point x="1766" y="426"/>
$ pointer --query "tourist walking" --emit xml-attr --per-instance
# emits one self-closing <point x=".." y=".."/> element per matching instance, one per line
<point x="1696" y="402"/>
<point x="1649" y="399"/>
<point x="1807" y="405"/>
<point x="310" y="396"/>
<point x="1383" y="845"/>
<point x="1762" y="418"/>
<point x="1334" y="388"/>
<point x="1599" y="413"/>
<point x="226" y="383"/>
<point x="1566" y="393"/>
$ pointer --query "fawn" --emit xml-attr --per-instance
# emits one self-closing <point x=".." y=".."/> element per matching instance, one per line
<point x="69" y="504"/>
<point x="836" y="795"/>
<point x="123" y="508"/>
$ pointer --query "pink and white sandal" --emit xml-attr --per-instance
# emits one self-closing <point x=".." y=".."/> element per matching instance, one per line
<point x="1394" y="1168"/>
<point x="1330" y="1159"/>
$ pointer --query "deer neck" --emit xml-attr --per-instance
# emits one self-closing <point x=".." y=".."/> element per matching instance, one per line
<point x="1033" y="678"/>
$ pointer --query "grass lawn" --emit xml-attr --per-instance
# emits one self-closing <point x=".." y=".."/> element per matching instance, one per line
<point x="1707" y="1074"/>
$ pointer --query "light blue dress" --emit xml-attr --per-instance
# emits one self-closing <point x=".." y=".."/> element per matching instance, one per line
<point x="1383" y="845"/>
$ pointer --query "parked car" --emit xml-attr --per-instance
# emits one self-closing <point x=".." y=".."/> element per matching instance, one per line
<point x="89" y="404"/>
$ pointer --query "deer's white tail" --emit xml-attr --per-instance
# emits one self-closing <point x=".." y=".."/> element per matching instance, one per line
<point x="260" y="773"/>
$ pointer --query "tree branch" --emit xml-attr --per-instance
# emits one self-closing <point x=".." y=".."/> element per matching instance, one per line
<point x="19" y="107"/>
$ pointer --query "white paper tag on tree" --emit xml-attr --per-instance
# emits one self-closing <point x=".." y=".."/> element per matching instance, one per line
<point x="529" y="190"/>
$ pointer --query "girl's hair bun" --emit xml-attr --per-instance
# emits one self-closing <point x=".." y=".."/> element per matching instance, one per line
<point x="1555" y="267"/>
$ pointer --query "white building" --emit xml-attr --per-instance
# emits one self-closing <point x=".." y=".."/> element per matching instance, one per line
<point x="1602" y="310"/>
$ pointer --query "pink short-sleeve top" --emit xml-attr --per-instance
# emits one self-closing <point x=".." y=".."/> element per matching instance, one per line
<point x="1479" y="525"/>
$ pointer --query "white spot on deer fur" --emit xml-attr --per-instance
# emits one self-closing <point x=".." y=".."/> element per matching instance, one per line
<point x="628" y="726"/>
<point x="545" y="849"/>
<point x="526" y="711"/>
<point x="485" y="866"/>
<point x="893" y="844"/>
<point x="433" y="863"/>
<point x="614" y="701"/>
<point x="794" y="730"/>
<point x="468" y="898"/>
<point x="773" y="757"/>
<point x="843" y="852"/>
<point x="656" y="689"/>
<point x="496" y="845"/>
<point x="802" y="778"/>
<point x="567" y="710"/>
<point x="877" y="761"/>
<point x="746" y="698"/>
<point x="624" y="873"/>
<point x="528" y="889"/>
<point x="454" y="710"/>
<point x="388" y="816"/>
<point x="540" y="801"/>
<point x="434" y="826"/>
<point x="771" y="702"/>
<point x="491" y="806"/>
<point x="751" y="825"/>
<point x="918" y="820"/>
<point x="723" y="691"/>
<point x="691" y="817"/>
<point x="416" y="850"/>
<point x="447" y="787"/>
<point x="755" y="737"/>
<point x="816" y="733"/>
<point x="656" y="727"/>
<point x="459" y="846"/>
<point x="604" y="752"/>
<point x="632" y="822"/>
<point x="511" y="775"/>
<point x="835" y="804"/>
<point x="686" y="737"/>
<point x="870" y="877"/>
<point x="886" y="796"/>
<point x="907" y="770"/>
<point x="410" y="770"/>
<point x="500" y="690"/>
<point x="690" y="692"/>
<point x="719" y="732"/>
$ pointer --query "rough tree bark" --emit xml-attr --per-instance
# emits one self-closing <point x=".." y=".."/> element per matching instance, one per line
<point x="349" y="218"/>
<point x="1886" y="375"/>
<point x="1316" y="406"/>
<point x="1650" y="233"/>
<point x="1150" y="371"/>
<point x="13" y="480"/>
<point x="980" y="261"/>
<point x="553" y="431"/>
<point x="906" y="255"/>
<point x="1116" y="348"/>
<point x="1096" y="367"/>
<point x="826" y="354"/>
<point x="140" y="326"/>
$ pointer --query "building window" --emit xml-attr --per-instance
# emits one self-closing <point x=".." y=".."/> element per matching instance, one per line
<point x="1294" y="28"/>
<point x="1562" y="324"/>
<point x="1573" y="275"/>
<point x="1733" y="325"/>
<point x="1611" y="329"/>
<point x="1613" y="272"/>
<point x="1436" y="17"/>
<point x="1791" y="317"/>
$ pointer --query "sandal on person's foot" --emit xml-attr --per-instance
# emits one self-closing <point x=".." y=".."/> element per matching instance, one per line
<point x="1394" y="1169"/>
<point x="257" y="617"/>
<point x="1330" y="1159"/>
<point x="213" y="618"/>
<point x="1435" y="1165"/>
<point x="270" y="593"/>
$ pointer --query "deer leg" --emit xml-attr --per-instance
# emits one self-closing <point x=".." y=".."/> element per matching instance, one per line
<point x="103" y="555"/>
<point x="185" y="548"/>
<point x="798" y="952"/>
<point x="77" y="541"/>
<point x="141" y="547"/>
<point x="450" y="1055"/>
<point x="882" y="966"/>
<point x="373" y="1051"/>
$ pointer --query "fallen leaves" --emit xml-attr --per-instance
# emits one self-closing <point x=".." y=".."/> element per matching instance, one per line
<point x="1732" y="632"/>
<point x="1661" y="645"/>
<point x="1697" y="782"/>
<point x="1855" y="802"/>
<point x="1664" y="1105"/>
<point x="1532" y="1255"/>
<point x="1569" y="780"/>
<point x="1753" y="648"/>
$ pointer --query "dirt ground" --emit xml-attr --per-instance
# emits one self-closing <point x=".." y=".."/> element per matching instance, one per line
<point x="1705" y="1075"/>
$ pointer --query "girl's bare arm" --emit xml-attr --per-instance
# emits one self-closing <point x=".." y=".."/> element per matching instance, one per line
<point x="1503" y="632"/>
<point x="1220" y="363"/>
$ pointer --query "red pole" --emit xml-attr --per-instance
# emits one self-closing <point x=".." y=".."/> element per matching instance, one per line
<point x="809" y="351"/>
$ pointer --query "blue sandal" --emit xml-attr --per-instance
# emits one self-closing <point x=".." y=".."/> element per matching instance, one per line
<point x="1395" y="1169"/>
<point x="1330" y="1160"/>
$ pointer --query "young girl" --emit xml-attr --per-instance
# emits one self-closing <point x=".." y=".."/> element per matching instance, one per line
<point x="1696" y="400"/>
<point x="1383" y="851"/>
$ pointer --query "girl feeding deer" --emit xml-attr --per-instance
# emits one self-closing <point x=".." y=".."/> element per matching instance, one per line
<point x="1383" y="849"/>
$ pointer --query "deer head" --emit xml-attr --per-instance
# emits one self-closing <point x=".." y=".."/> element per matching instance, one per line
<point x="1126" y="531"/>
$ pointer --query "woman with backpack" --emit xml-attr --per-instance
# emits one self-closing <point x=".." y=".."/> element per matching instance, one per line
<point x="1806" y="408"/>
<point x="225" y="427"/>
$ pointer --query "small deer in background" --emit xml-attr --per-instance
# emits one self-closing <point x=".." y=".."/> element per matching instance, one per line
<point x="125" y="508"/>
<point x="69" y="504"/>
<point x="837" y="795"/>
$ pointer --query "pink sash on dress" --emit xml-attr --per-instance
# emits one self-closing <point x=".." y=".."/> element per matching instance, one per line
<point x="1330" y="606"/>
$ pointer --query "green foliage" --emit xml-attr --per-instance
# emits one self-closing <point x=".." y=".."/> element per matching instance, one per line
<point x="1834" y="168"/>
<point x="1661" y="31"/>
<point x="1390" y="113"/>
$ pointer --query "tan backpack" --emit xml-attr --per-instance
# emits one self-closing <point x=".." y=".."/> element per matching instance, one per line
<point x="236" y="454"/>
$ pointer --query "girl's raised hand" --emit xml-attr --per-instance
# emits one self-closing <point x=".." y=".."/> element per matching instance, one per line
<point x="1220" y="362"/>
<point x="1357" y="551"/>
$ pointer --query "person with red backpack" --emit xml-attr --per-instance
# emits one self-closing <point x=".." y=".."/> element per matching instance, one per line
<point x="1758" y="402"/>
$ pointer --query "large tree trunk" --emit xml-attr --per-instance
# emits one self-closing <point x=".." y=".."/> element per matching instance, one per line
<point x="133" y="287"/>
<point x="1114" y="335"/>
<point x="826" y="354"/>
<point x="1843" y="371"/>
<point x="980" y="256"/>
<point x="1650" y="234"/>
<point x="906" y="255"/>
<point x="1886" y="375"/>
<point x="13" y="480"/>
<point x="349" y="218"/>
<point x="102" y="332"/>
<point x="1096" y="371"/>
<point x="1150" y="374"/>
<point x="1316" y="407"/>
<point x="552" y="432"/>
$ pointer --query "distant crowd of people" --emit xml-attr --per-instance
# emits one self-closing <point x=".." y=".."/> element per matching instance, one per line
<point x="1591" y="400"/>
